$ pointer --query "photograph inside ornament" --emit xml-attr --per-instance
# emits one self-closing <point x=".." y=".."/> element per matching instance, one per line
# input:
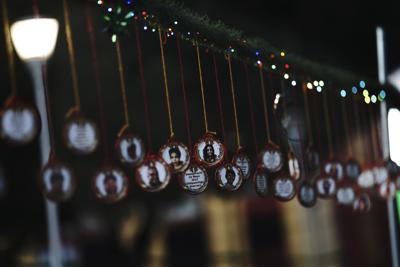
<point x="261" y="182"/>
<point x="345" y="195"/>
<point x="229" y="177"/>
<point x="19" y="122"/>
<point x="57" y="181"/>
<point x="194" y="179"/>
<point x="80" y="134"/>
<point x="326" y="186"/>
<point x="381" y="174"/>
<point x="241" y="160"/>
<point x="283" y="188"/>
<point x="153" y="174"/>
<point x="387" y="190"/>
<point x="176" y="155"/>
<point x="271" y="158"/>
<point x="362" y="203"/>
<point x="366" y="179"/>
<point x="307" y="194"/>
<point x="334" y="169"/>
<point x="293" y="166"/>
<point x="209" y="151"/>
<point x="130" y="148"/>
<point x="110" y="184"/>
<point x="352" y="169"/>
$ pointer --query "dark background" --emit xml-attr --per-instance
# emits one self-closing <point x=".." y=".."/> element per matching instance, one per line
<point x="338" y="33"/>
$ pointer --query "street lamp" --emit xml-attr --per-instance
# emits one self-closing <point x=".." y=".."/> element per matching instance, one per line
<point x="34" y="40"/>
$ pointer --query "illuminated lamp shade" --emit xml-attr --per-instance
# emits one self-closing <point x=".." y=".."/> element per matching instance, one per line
<point x="34" y="38"/>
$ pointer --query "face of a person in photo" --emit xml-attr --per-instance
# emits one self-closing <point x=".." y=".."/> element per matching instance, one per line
<point x="209" y="153"/>
<point x="131" y="149"/>
<point x="110" y="184"/>
<point x="175" y="157"/>
<point x="56" y="181"/>
<point x="153" y="176"/>
<point x="230" y="176"/>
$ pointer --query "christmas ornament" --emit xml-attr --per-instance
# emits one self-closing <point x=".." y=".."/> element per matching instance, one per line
<point x="153" y="174"/>
<point x="209" y="151"/>
<point x="362" y="203"/>
<point x="19" y="122"/>
<point x="283" y="188"/>
<point x="57" y="181"/>
<point x="110" y="184"/>
<point x="194" y="179"/>
<point x="366" y="179"/>
<point x="307" y="194"/>
<point x="352" y="169"/>
<point x="271" y="156"/>
<point x="80" y="134"/>
<point x="174" y="153"/>
<point x="387" y="190"/>
<point x="261" y="181"/>
<point x="229" y="177"/>
<point x="334" y="169"/>
<point x="241" y="160"/>
<point x="326" y="186"/>
<point x="345" y="195"/>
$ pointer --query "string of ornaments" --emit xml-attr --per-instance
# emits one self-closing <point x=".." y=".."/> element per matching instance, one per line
<point x="349" y="182"/>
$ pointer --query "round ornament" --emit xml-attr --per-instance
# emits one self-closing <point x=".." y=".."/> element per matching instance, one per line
<point x="387" y="190"/>
<point x="307" y="194"/>
<point x="271" y="158"/>
<point x="345" y="195"/>
<point x="153" y="174"/>
<point x="130" y="149"/>
<point x="261" y="182"/>
<point x="362" y="203"/>
<point x="209" y="151"/>
<point x="229" y="177"/>
<point x="176" y="155"/>
<point x="80" y="134"/>
<point x="334" y="169"/>
<point x="194" y="179"/>
<point x="366" y="179"/>
<point x="381" y="174"/>
<point x="326" y="186"/>
<point x="293" y="166"/>
<point x="283" y="188"/>
<point x="392" y="168"/>
<point x="352" y="169"/>
<point x="19" y="123"/>
<point x="110" y="184"/>
<point x="57" y="181"/>
<point x="241" y="160"/>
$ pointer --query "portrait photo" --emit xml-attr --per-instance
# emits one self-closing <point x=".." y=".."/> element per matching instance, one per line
<point x="209" y="151"/>
<point x="229" y="177"/>
<point x="153" y="175"/>
<point x="176" y="155"/>
<point x="362" y="203"/>
<point x="130" y="149"/>
<point x="194" y="179"/>
<point x="57" y="182"/>
<point x="326" y="186"/>
<point x="110" y="184"/>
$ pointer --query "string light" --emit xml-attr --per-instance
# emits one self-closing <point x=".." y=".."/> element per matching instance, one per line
<point x="259" y="63"/>
<point x="257" y="53"/>
<point x="309" y="86"/>
<point x="373" y="99"/>
<point x="354" y="90"/>
<point x="176" y="22"/>
<point x="315" y="83"/>
<point x="273" y="66"/>
<point x="367" y="100"/>
<point x="282" y="54"/>
<point x="294" y="83"/>
<point x="321" y="83"/>
<point x="319" y="89"/>
<point x="365" y="93"/>
<point x="362" y="84"/>
<point x="286" y="76"/>
<point x="145" y="28"/>
<point x="343" y="93"/>
<point x="382" y="94"/>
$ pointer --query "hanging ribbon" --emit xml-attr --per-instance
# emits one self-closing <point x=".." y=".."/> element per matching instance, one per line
<point x="171" y="128"/>
<point x="308" y="120"/>
<point x="251" y="107"/>
<point x="203" y="99"/>
<point x="71" y="55"/>
<point x="122" y="85"/>
<point x="228" y="58"/>
<point x="219" y="99"/>
<point x="9" y="47"/>
<point x="99" y="88"/>
<point x="265" y="108"/>
<point x="183" y="87"/>
<point x="143" y="84"/>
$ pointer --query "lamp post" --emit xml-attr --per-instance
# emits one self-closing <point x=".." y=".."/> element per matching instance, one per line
<point x="34" y="40"/>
